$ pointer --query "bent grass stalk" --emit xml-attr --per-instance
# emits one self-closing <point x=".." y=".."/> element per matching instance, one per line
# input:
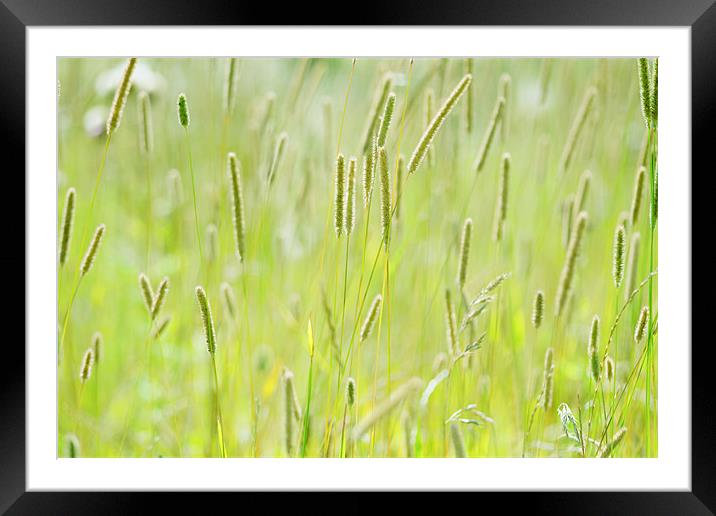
<point x="210" y="336"/>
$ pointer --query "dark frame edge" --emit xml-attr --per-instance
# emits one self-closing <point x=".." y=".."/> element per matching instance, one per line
<point x="702" y="499"/>
<point x="12" y="138"/>
<point x="703" y="403"/>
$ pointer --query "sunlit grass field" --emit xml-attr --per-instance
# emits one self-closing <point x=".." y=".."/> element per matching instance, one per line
<point x="542" y="156"/>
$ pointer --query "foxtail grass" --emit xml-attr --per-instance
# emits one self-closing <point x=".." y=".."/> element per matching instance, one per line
<point x="183" y="116"/>
<point x="575" y="131"/>
<point x="339" y="201"/>
<point x="386" y="407"/>
<point x="619" y="251"/>
<point x="67" y="220"/>
<point x="237" y="205"/>
<point x="369" y="321"/>
<point x="464" y="253"/>
<point x="427" y="138"/>
<point x="567" y="275"/>
<point x="495" y="118"/>
<point x="593" y="349"/>
<point x="210" y="337"/>
<point x="386" y="119"/>
<point x="378" y="103"/>
<point x="638" y="192"/>
<point x="538" y="309"/>
<point x="385" y="195"/>
<point x="501" y="205"/>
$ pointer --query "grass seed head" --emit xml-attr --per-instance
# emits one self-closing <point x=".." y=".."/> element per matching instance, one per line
<point x="386" y="119"/>
<point x="67" y="222"/>
<point x="426" y="139"/>
<point x="548" y="383"/>
<point x="593" y="349"/>
<point x="370" y="318"/>
<point x="567" y="275"/>
<point x="351" y="196"/>
<point x="641" y="325"/>
<point x="207" y="319"/>
<point x="609" y="448"/>
<point x="87" y="363"/>
<point x="97" y="345"/>
<point x="619" y="251"/>
<point x="339" y="202"/>
<point x="350" y="391"/>
<point x="120" y="96"/>
<point x="644" y="89"/>
<point x="497" y="114"/>
<point x="464" y="253"/>
<point x="160" y="297"/>
<point x="183" y="111"/>
<point x="501" y="205"/>
<point x="145" y="287"/>
<point x="385" y="195"/>
<point x="91" y="254"/>
<point x="538" y="309"/>
<point x="237" y="205"/>
<point x="370" y="159"/>
<point x="227" y="293"/>
<point x="638" y="193"/>
<point x="451" y="323"/>
<point x="232" y="68"/>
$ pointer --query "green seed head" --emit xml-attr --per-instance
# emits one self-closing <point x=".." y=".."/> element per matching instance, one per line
<point x="370" y="318"/>
<point x="87" y="363"/>
<point x="618" y="256"/>
<point x="497" y="113"/>
<point x="593" y="349"/>
<point x="340" y="188"/>
<point x="610" y="369"/>
<point x="120" y="96"/>
<point x="608" y="448"/>
<point x="97" y="346"/>
<point x="501" y="205"/>
<point x="212" y="242"/>
<point x="426" y="139"/>
<point x="386" y="119"/>
<point x="183" y="111"/>
<point x="385" y="195"/>
<point x="145" y="288"/>
<point x="378" y="102"/>
<point x="638" y="193"/>
<point x="207" y="319"/>
<point x="232" y="68"/>
<point x="350" y="391"/>
<point x="237" y="205"/>
<point x="567" y="276"/>
<point x="67" y="221"/>
<point x="582" y="191"/>
<point x="644" y="89"/>
<point x="351" y="196"/>
<point x="464" y="252"/>
<point x="641" y="325"/>
<point x="88" y="260"/>
<point x="654" y="93"/>
<point x="369" y="163"/>
<point x="160" y="297"/>
<point x="538" y="309"/>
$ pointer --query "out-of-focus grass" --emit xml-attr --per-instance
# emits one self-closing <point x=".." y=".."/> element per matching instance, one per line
<point x="149" y="398"/>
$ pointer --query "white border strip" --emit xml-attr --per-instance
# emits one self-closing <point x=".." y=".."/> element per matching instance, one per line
<point x="671" y="470"/>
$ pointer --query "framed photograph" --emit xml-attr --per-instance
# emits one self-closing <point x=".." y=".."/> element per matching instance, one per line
<point x="334" y="258"/>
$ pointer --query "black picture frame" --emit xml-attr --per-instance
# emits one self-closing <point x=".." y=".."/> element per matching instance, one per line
<point x="17" y="15"/>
